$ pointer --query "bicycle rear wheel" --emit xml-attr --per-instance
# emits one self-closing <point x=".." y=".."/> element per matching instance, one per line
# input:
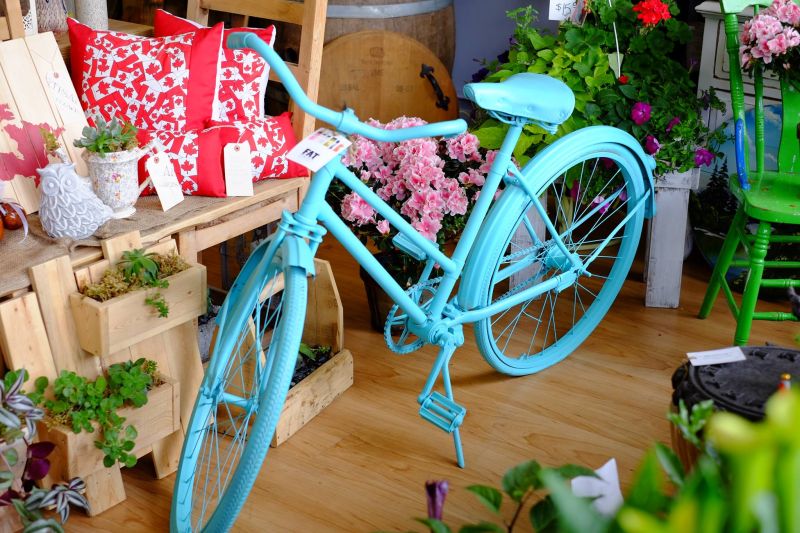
<point x="242" y="394"/>
<point x="587" y="199"/>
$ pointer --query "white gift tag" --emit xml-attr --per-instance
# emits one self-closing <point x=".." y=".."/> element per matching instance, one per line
<point x="318" y="149"/>
<point x="63" y="93"/>
<point x="238" y="169"/>
<point x="163" y="177"/>
<point x="565" y="10"/>
<point x="716" y="357"/>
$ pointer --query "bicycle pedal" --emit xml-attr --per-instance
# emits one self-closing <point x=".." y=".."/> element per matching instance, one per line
<point x="442" y="412"/>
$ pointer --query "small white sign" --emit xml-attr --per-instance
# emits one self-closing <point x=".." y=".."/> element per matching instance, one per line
<point x="318" y="149"/>
<point x="63" y="93"/>
<point x="238" y="169"/>
<point x="163" y="177"/>
<point x="565" y="10"/>
<point x="716" y="357"/>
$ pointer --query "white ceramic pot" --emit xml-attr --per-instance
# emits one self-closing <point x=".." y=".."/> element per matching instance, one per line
<point x="115" y="179"/>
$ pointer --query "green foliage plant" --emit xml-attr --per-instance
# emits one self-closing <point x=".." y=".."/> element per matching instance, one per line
<point x="18" y="414"/>
<point x="108" y="137"/>
<point x="746" y="479"/>
<point x="138" y="270"/>
<point x="578" y="55"/>
<point x="84" y="405"/>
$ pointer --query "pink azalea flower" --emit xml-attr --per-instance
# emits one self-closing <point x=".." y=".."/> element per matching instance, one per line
<point x="672" y="123"/>
<point x="383" y="226"/>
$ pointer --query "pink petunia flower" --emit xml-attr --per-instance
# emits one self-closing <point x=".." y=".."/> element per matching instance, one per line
<point x="640" y="113"/>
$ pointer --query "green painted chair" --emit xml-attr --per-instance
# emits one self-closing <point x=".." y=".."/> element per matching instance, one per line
<point x="766" y="198"/>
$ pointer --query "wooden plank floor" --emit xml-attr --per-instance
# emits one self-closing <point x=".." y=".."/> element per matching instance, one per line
<point x="361" y="464"/>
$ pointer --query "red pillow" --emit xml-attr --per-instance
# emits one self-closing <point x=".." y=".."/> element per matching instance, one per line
<point x="196" y="156"/>
<point x="166" y="83"/>
<point x="243" y="73"/>
<point x="270" y="139"/>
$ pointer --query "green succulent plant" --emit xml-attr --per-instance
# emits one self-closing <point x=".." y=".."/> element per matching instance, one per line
<point x="107" y="137"/>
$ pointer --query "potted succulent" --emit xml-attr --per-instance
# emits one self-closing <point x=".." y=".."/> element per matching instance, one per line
<point x="24" y="463"/>
<point x="433" y="183"/>
<point x="112" y="313"/>
<point x="112" y="153"/>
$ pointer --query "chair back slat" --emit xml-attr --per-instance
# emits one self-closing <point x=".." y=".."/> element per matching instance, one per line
<point x="731" y="23"/>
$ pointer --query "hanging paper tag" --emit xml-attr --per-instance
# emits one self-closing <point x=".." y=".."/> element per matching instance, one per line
<point x="716" y="357"/>
<point x="318" y="149"/>
<point x="162" y="174"/>
<point x="566" y="10"/>
<point x="238" y="169"/>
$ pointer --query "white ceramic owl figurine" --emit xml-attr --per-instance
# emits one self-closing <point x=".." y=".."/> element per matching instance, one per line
<point x="68" y="207"/>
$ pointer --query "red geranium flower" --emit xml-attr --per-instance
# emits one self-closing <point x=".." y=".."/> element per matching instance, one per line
<point x="623" y="79"/>
<point x="651" y="12"/>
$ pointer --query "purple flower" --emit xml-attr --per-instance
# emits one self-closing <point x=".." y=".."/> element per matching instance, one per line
<point x="651" y="145"/>
<point x="575" y="190"/>
<point x="640" y="113"/>
<point x="703" y="157"/>
<point x="672" y="123"/>
<point x="435" y="492"/>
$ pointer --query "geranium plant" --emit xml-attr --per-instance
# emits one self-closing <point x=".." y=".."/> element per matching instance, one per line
<point x="433" y="183"/>
<point x="651" y="95"/>
<point x="771" y="40"/>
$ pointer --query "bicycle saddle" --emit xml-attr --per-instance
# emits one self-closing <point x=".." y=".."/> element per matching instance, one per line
<point x="544" y="100"/>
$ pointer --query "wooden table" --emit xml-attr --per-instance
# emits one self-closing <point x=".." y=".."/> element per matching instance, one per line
<point x="213" y="222"/>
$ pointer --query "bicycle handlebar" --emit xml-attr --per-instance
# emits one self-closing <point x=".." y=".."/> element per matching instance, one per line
<point x="344" y="121"/>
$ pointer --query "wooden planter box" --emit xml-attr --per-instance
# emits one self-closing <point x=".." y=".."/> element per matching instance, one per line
<point x="323" y="326"/>
<point x="316" y="392"/>
<point x="75" y="453"/>
<point x="106" y="327"/>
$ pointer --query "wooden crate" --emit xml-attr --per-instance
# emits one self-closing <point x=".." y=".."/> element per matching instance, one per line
<point x="323" y="326"/>
<point x="107" y="327"/>
<point x="39" y="333"/>
<point x="76" y="454"/>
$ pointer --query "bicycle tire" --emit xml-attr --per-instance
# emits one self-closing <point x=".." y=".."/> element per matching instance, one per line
<point x="244" y="311"/>
<point x="495" y="245"/>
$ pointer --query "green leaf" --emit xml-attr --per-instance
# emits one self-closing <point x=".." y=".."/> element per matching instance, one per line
<point x="108" y="461"/>
<point x="130" y="461"/>
<point x="488" y="496"/>
<point x="491" y="137"/>
<point x="11" y="456"/>
<point x="483" y="527"/>
<point x="543" y="514"/>
<point x="571" y="471"/>
<point x="435" y="526"/>
<point x="520" y="479"/>
<point x="547" y="55"/>
<point x="646" y="492"/>
<point x="670" y="463"/>
<point x="575" y="514"/>
<point x="629" y="91"/>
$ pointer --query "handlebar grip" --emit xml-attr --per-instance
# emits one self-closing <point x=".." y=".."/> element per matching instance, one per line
<point x="237" y="40"/>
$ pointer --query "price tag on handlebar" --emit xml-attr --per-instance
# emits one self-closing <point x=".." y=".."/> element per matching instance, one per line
<point x="318" y="149"/>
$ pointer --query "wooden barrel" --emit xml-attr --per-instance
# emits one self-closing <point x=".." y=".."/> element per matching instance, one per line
<point x="431" y="22"/>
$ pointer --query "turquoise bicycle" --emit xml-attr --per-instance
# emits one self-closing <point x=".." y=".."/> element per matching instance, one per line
<point x="539" y="267"/>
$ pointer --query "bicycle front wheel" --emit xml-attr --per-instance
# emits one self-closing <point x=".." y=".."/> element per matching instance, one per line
<point x="242" y="394"/>
<point x="587" y="199"/>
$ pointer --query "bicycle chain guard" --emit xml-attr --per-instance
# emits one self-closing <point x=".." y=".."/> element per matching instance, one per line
<point x="422" y="294"/>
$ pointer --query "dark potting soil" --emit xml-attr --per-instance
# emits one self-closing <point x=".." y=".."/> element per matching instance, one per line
<point x="306" y="366"/>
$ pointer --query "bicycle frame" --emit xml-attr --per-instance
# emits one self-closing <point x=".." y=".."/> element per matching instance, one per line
<point x="315" y="208"/>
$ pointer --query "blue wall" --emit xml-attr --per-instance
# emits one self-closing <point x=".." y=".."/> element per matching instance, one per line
<point x="483" y="30"/>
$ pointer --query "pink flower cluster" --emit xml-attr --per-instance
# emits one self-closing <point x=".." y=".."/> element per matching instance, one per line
<point x="771" y="34"/>
<point x="411" y="176"/>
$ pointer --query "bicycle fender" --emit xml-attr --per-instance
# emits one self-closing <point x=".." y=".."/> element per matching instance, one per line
<point x="295" y="252"/>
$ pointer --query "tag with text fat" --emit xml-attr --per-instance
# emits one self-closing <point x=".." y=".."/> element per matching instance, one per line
<point x="162" y="175"/>
<point x="716" y="357"/>
<point x="318" y="149"/>
<point x="238" y="169"/>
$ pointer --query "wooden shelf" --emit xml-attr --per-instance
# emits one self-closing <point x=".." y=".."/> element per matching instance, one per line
<point x="114" y="25"/>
